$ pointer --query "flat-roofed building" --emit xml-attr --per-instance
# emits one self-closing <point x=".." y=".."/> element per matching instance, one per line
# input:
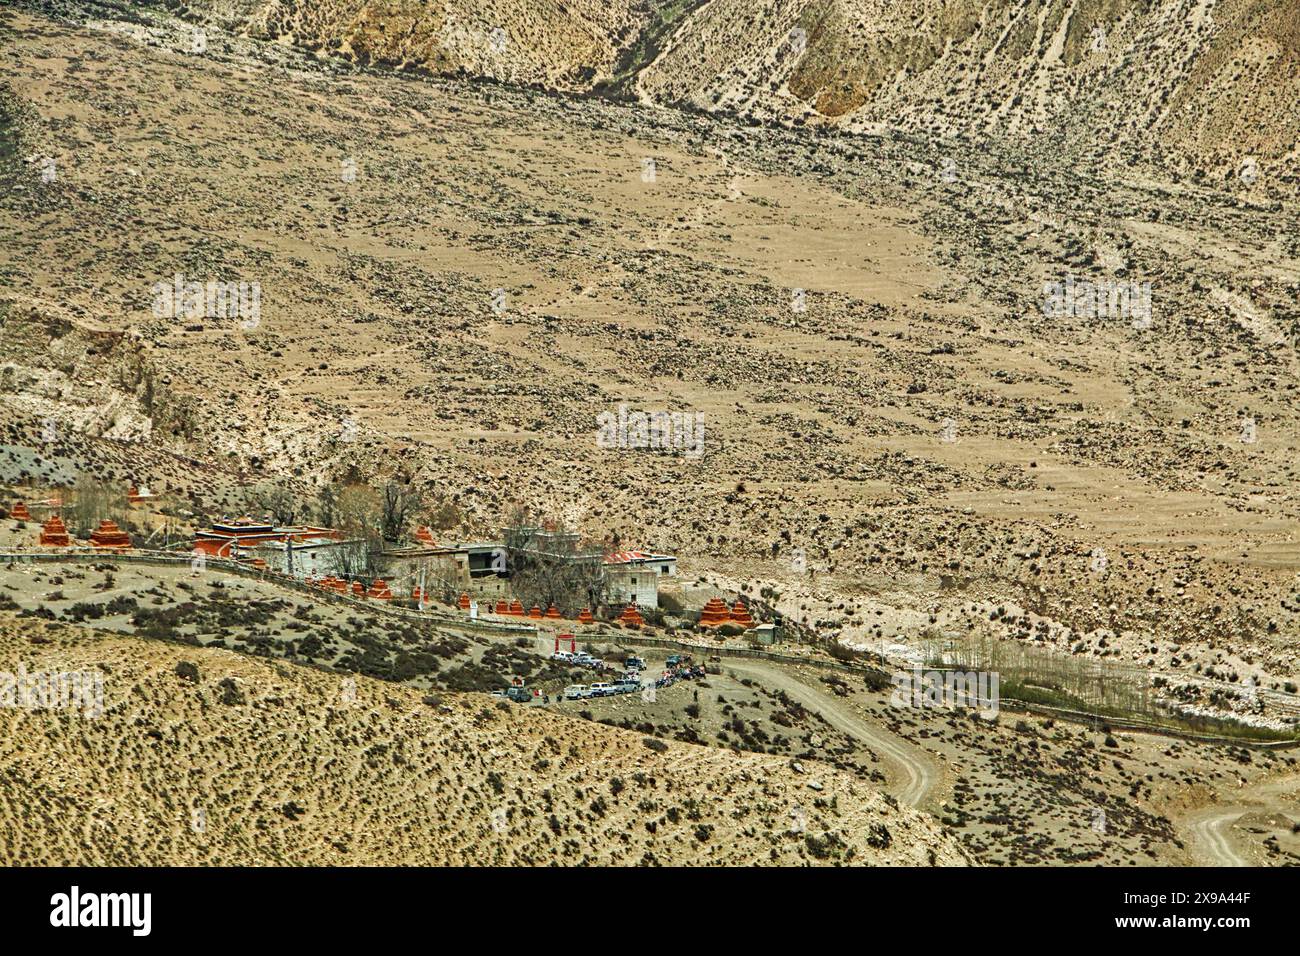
<point x="302" y="551"/>
<point x="457" y="564"/>
<point x="637" y="575"/>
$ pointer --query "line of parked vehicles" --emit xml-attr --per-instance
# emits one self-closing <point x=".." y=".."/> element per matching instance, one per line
<point x="583" y="659"/>
<point x="677" y="667"/>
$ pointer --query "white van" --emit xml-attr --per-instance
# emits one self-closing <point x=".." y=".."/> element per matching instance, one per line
<point x="577" y="692"/>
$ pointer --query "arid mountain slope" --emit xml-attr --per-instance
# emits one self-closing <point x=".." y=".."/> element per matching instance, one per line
<point x="238" y="761"/>
<point x="1197" y="87"/>
<point x="562" y="44"/>
<point x="457" y="279"/>
<point x="1206" y="85"/>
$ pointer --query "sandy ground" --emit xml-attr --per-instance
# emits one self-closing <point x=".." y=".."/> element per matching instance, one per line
<point x="1255" y="826"/>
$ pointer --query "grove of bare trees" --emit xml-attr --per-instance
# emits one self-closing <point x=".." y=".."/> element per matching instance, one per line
<point x="551" y="564"/>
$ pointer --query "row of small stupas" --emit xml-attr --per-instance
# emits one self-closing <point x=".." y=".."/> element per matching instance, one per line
<point x="380" y="591"/>
<point x="715" y="614"/>
<point x="54" y="533"/>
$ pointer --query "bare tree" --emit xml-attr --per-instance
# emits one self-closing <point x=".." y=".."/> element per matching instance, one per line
<point x="400" y="502"/>
<point x="550" y="564"/>
<point x="280" y="502"/>
<point x="351" y="558"/>
<point x="327" y="505"/>
<point x="517" y="538"/>
<point x="89" y="502"/>
<point x="568" y="584"/>
<point x="360" y="518"/>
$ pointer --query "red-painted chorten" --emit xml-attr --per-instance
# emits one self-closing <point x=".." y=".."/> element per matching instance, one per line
<point x="109" y="536"/>
<point x="54" y="534"/>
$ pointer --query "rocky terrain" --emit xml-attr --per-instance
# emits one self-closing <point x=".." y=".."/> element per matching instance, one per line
<point x="206" y="756"/>
<point x="893" y="426"/>
<point x="1196" y="89"/>
<point x="1193" y="87"/>
<point x="1013" y="789"/>
<point x="463" y="255"/>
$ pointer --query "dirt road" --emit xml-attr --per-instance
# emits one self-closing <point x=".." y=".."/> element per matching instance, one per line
<point x="1209" y="830"/>
<point x="914" y="774"/>
<point x="1209" y="839"/>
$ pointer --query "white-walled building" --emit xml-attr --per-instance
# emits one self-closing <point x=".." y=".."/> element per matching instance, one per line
<point x="635" y="576"/>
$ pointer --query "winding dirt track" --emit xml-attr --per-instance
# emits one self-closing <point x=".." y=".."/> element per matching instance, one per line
<point x="1207" y="837"/>
<point x="915" y="774"/>
<point x="1209" y="829"/>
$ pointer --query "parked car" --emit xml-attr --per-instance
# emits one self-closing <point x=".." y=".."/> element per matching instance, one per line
<point x="562" y="656"/>
<point x="602" y="689"/>
<point x="577" y="692"/>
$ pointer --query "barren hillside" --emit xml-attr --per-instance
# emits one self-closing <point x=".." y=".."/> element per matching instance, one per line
<point x="458" y="236"/>
<point x="1193" y="85"/>
<point x="1196" y="87"/>
<point x="561" y="44"/>
<point x="208" y="756"/>
<point x="457" y="280"/>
